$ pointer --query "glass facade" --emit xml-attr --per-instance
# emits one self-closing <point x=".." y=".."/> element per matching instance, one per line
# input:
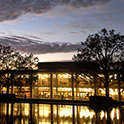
<point x="44" y="86"/>
<point x="64" y="85"/>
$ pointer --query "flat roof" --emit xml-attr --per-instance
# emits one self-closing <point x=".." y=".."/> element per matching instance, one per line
<point x="67" y="66"/>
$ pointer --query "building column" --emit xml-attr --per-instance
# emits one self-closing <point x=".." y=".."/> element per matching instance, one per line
<point x="72" y="79"/>
<point x="38" y="87"/>
<point x="57" y="84"/>
<point x="76" y="86"/>
<point x="51" y="84"/>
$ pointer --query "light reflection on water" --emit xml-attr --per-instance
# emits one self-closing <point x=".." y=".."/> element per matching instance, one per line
<point x="24" y="113"/>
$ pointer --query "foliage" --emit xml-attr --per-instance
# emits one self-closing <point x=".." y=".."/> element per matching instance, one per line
<point x="106" y="48"/>
<point x="10" y="60"/>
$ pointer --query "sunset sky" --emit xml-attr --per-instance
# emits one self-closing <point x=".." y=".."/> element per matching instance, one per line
<point x="53" y="29"/>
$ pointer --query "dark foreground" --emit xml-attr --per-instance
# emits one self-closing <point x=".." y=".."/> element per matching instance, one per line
<point x="53" y="111"/>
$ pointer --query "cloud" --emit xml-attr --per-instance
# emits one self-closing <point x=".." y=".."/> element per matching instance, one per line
<point x="72" y="32"/>
<point x="2" y="33"/>
<point x="12" y="9"/>
<point x="36" y="46"/>
<point x="82" y="25"/>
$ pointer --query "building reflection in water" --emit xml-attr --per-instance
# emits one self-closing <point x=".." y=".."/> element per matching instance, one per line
<point x="24" y="113"/>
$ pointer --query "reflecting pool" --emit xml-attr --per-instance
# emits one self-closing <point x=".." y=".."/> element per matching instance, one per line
<point x="25" y="113"/>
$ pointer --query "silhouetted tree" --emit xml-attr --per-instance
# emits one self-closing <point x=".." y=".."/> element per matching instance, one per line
<point x="10" y="60"/>
<point x="104" y="47"/>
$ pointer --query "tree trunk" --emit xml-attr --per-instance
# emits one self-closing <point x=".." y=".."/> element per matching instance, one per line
<point x="7" y="86"/>
<point x="31" y="83"/>
<point x="109" y="116"/>
<point x="97" y="117"/>
<point x="96" y="87"/>
<point x="106" y="83"/>
<point x="7" y="113"/>
<point x="31" y="119"/>
<point x="119" y="86"/>
<point x="52" y="114"/>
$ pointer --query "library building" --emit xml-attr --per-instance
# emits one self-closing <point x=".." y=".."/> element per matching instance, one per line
<point x="64" y="80"/>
